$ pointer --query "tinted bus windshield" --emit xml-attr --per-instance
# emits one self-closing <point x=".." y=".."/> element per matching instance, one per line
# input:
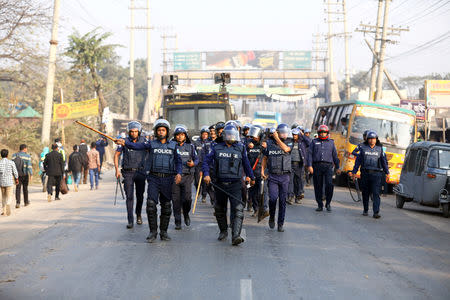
<point x="207" y="116"/>
<point x="393" y="128"/>
<point x="182" y="116"/>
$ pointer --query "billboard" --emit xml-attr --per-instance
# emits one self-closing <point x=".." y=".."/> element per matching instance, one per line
<point x="242" y="60"/>
<point x="418" y="106"/>
<point x="74" y="110"/>
<point x="437" y="93"/>
<point x="187" y="61"/>
<point x="297" y="60"/>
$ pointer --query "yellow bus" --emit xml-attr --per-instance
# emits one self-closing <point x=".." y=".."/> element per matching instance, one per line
<point x="347" y="121"/>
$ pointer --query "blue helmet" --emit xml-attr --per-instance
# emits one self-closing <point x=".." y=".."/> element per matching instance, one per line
<point x="365" y="134"/>
<point x="134" y="125"/>
<point x="204" y="129"/>
<point x="220" y="125"/>
<point x="283" y="128"/>
<point x="161" y="123"/>
<point x="247" y="126"/>
<point x="372" y="135"/>
<point x="231" y="134"/>
<point x="295" y="131"/>
<point x="231" y="122"/>
<point x="301" y="128"/>
<point x="307" y="130"/>
<point x="180" y="129"/>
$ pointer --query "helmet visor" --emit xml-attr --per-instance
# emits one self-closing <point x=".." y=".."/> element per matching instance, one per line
<point x="231" y="136"/>
<point x="255" y="132"/>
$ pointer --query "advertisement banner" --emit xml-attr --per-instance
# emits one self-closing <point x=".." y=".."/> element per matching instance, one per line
<point x="75" y="110"/>
<point x="242" y="60"/>
<point x="437" y="93"/>
<point x="416" y="105"/>
<point x="187" y="61"/>
<point x="298" y="60"/>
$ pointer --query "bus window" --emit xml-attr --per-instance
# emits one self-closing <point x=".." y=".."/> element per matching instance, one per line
<point x="337" y="119"/>
<point x="182" y="116"/>
<point x="345" y="118"/>
<point x="331" y="115"/>
<point x="207" y="116"/>
<point x="316" y="120"/>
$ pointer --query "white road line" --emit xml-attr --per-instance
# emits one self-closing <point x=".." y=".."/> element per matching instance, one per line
<point x="246" y="289"/>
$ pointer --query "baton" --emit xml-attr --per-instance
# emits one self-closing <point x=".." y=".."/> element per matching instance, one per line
<point x="95" y="130"/>
<point x="196" y="196"/>
<point x="225" y="192"/>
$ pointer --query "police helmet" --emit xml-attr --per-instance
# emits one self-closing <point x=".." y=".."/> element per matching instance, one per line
<point x="283" y="128"/>
<point x="294" y="125"/>
<point x="256" y="131"/>
<point x="180" y="128"/>
<point x="372" y="135"/>
<point x="295" y="131"/>
<point x="204" y="129"/>
<point x="161" y="123"/>
<point x="134" y="125"/>
<point x="247" y="126"/>
<point x="220" y="125"/>
<point x="230" y="134"/>
<point x="238" y="123"/>
<point x="307" y="130"/>
<point x="300" y="127"/>
<point x="231" y="122"/>
<point x="365" y="134"/>
<point x="323" y="128"/>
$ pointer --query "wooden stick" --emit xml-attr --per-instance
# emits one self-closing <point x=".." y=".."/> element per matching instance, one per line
<point x="196" y="196"/>
<point x="95" y="130"/>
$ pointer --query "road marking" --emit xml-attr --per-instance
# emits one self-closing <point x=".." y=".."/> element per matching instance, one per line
<point x="246" y="289"/>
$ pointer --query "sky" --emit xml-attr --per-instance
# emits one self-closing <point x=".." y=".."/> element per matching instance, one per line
<point x="203" y="25"/>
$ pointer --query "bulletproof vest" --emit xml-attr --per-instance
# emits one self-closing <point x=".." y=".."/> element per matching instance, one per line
<point x="162" y="158"/>
<point x="295" y="153"/>
<point x="253" y="154"/>
<point x="228" y="161"/>
<point x="187" y="153"/>
<point x="371" y="157"/>
<point x="133" y="159"/>
<point x="279" y="162"/>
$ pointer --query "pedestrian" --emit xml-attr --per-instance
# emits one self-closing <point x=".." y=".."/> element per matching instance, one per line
<point x="298" y="158"/>
<point x="182" y="192"/>
<point x="54" y="167"/>
<point x="373" y="163"/>
<point x="42" y="173"/>
<point x="132" y="171"/>
<point x="255" y="150"/>
<point x="228" y="158"/>
<point x="84" y="149"/>
<point x="277" y="159"/>
<point x="61" y="149"/>
<point x="100" y="145"/>
<point x="76" y="166"/>
<point x="93" y="165"/>
<point x="322" y="157"/>
<point x="8" y="177"/>
<point x="25" y="170"/>
<point x="164" y="166"/>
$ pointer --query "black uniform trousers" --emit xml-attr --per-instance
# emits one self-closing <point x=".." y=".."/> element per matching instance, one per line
<point x="233" y="188"/>
<point x="132" y="179"/>
<point x="371" y="185"/>
<point x="182" y="197"/>
<point x="23" y="184"/>
<point x="323" y="177"/>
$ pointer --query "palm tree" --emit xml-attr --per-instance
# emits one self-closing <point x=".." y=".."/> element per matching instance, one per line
<point x="89" y="54"/>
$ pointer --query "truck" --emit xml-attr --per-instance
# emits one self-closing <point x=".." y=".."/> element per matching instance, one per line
<point x="267" y="118"/>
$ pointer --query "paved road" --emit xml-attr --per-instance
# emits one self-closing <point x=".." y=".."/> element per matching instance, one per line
<point x="79" y="248"/>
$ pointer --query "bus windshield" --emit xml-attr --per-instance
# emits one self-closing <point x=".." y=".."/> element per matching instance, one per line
<point x="182" y="116"/>
<point x="207" y="116"/>
<point x="393" y="128"/>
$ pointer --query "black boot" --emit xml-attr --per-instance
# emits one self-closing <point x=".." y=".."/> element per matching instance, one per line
<point x="186" y="210"/>
<point x="237" y="226"/>
<point x="139" y="220"/>
<point x="271" y="223"/>
<point x="177" y="224"/>
<point x="221" y="218"/>
<point x="152" y="220"/>
<point x="164" y="218"/>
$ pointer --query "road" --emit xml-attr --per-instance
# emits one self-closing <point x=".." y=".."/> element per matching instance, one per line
<point x="79" y="248"/>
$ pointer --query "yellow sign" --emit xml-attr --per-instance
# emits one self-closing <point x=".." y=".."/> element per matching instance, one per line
<point x="75" y="110"/>
<point x="437" y="93"/>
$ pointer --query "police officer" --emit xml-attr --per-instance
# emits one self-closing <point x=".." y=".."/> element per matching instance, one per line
<point x="227" y="158"/>
<point x="277" y="159"/>
<point x="355" y="151"/>
<point x="255" y="149"/>
<point x="199" y="146"/>
<point x="132" y="171"/>
<point x="373" y="163"/>
<point x="322" y="155"/>
<point x="182" y="192"/>
<point x="298" y="158"/>
<point x="164" y="167"/>
<point x="306" y="142"/>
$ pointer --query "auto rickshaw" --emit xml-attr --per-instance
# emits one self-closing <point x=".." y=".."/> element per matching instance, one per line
<point x="425" y="176"/>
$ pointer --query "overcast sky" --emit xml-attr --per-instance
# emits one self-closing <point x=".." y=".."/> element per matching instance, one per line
<point x="204" y="25"/>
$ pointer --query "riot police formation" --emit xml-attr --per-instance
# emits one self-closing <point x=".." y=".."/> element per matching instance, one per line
<point x="277" y="158"/>
<point x="322" y="158"/>
<point x="164" y="166"/>
<point x="227" y="157"/>
<point x="132" y="171"/>
<point x="372" y="162"/>
<point x="182" y="192"/>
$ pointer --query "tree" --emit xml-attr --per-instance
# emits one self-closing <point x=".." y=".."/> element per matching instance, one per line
<point x="89" y="55"/>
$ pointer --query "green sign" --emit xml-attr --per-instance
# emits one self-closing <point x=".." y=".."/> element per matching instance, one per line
<point x="297" y="60"/>
<point x="187" y="61"/>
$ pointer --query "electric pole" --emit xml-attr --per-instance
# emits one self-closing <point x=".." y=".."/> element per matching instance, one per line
<point x="149" y="64"/>
<point x="347" y="63"/>
<point x="48" y="104"/>
<point x="167" y="50"/>
<point x="131" y="78"/>
<point x="375" y="57"/>
<point x="379" y="90"/>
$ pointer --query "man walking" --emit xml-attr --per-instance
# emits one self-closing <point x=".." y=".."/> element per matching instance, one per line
<point x="84" y="148"/>
<point x="8" y="172"/>
<point x="54" y="167"/>
<point x="75" y="166"/>
<point x="93" y="165"/>
<point x="100" y="146"/>
<point x="24" y="168"/>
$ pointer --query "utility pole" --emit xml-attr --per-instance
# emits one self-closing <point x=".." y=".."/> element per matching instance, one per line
<point x="48" y="104"/>
<point x="149" y="63"/>
<point x="131" y="78"/>
<point x="380" y="77"/>
<point x="347" y="63"/>
<point x="63" y="134"/>
<point x="320" y="51"/>
<point x="375" y="57"/>
<point x="167" y="50"/>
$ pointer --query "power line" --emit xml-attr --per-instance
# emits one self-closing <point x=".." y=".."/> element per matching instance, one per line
<point x="415" y="20"/>
<point x="418" y="15"/>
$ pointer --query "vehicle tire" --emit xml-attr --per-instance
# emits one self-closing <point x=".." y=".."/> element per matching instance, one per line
<point x="445" y="210"/>
<point x="399" y="201"/>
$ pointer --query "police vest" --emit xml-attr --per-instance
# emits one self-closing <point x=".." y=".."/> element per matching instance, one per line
<point x="228" y="161"/>
<point x="279" y="162"/>
<point x="253" y="154"/>
<point x="295" y="153"/>
<point x="371" y="157"/>
<point x="133" y="159"/>
<point x="187" y="153"/>
<point x="162" y="157"/>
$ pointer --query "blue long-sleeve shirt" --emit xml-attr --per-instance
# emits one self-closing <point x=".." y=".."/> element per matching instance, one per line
<point x="146" y="145"/>
<point x="322" y="151"/>
<point x="209" y="160"/>
<point x="360" y="161"/>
